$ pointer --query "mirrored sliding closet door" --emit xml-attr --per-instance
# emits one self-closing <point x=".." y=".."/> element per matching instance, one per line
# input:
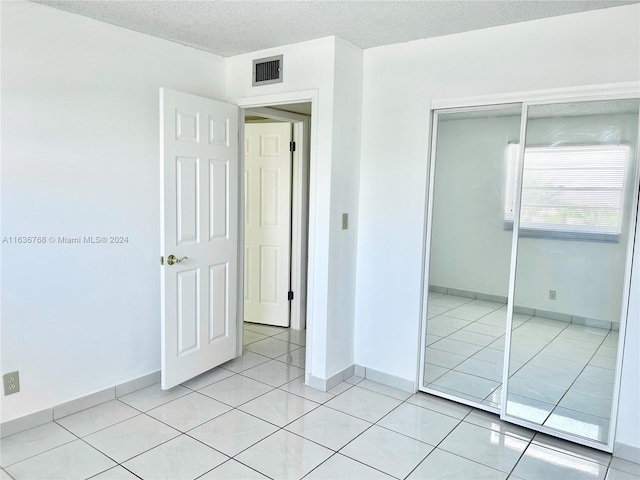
<point x="578" y="190"/>
<point x="470" y="253"/>
<point x="528" y="261"/>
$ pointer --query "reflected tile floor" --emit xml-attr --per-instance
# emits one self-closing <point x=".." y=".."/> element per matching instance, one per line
<point x="561" y="374"/>
<point x="273" y="430"/>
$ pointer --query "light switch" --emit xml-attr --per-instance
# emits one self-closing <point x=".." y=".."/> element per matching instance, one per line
<point x="345" y="221"/>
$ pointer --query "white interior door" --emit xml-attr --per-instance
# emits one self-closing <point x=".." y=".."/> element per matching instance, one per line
<point x="267" y="223"/>
<point x="199" y="202"/>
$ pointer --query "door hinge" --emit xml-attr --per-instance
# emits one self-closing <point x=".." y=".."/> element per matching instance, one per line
<point x="290" y="296"/>
<point x="161" y="260"/>
<point x="292" y="146"/>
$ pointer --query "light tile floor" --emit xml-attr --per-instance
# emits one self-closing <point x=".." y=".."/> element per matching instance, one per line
<point x="230" y="423"/>
<point x="561" y="374"/>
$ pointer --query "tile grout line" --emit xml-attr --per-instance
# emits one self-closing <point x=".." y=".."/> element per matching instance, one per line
<point x="180" y="433"/>
<point x="573" y="383"/>
<point x="521" y="456"/>
<point x="539" y="353"/>
<point x="8" y="474"/>
<point x="4" y="467"/>
<point x="288" y="423"/>
<point x="440" y="442"/>
<point x="568" y="452"/>
<point x="460" y="421"/>
<point x="96" y="449"/>
<point x="471" y="356"/>
<point x="228" y="460"/>
<point x="307" y="439"/>
<point x="352" y="459"/>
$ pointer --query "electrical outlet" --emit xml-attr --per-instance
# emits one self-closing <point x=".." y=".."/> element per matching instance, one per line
<point x="11" y="383"/>
<point x="552" y="294"/>
<point x="345" y="221"/>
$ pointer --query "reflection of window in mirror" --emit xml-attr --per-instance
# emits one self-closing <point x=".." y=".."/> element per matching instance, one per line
<point x="573" y="192"/>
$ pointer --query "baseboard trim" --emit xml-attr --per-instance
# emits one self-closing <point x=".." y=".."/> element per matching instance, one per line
<point x="563" y="317"/>
<point x="21" y="424"/>
<point x="82" y="403"/>
<point x="468" y="293"/>
<point x="630" y="453"/>
<point x="138" y="383"/>
<point x="316" y="382"/>
<point x="387" y="379"/>
<point x="340" y="377"/>
<point x="327" y="384"/>
<point x="47" y="415"/>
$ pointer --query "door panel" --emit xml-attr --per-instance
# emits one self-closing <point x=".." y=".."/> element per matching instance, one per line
<point x="468" y="276"/>
<point x="267" y="223"/>
<point x="187" y="295"/>
<point x="218" y="317"/>
<point x="199" y="192"/>
<point x="187" y="199"/>
<point x="269" y="191"/>
<point x="269" y="274"/>
<point x="218" y="179"/>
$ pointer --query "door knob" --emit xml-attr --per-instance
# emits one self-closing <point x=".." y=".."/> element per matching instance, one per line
<point x="171" y="259"/>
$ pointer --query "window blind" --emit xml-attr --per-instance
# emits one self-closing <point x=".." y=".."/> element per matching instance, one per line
<point x="573" y="192"/>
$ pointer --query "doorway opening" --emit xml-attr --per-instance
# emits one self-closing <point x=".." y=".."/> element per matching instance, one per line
<point x="203" y="237"/>
<point x="275" y="208"/>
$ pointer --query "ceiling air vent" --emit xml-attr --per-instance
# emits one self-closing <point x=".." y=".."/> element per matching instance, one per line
<point x="267" y="70"/>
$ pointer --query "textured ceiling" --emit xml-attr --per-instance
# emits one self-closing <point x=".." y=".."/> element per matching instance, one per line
<point x="230" y="28"/>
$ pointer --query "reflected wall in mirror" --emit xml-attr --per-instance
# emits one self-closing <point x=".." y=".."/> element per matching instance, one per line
<point x="470" y="253"/>
<point x="577" y="198"/>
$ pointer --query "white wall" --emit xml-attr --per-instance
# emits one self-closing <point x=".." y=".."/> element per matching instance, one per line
<point x="329" y="66"/>
<point x="399" y="83"/>
<point x="80" y="157"/>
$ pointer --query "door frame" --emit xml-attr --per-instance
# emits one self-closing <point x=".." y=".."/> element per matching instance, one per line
<point x="299" y="207"/>
<point x="304" y="306"/>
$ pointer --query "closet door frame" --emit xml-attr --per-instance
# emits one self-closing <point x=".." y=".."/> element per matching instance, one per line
<point x="616" y="91"/>
<point x="427" y="244"/>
